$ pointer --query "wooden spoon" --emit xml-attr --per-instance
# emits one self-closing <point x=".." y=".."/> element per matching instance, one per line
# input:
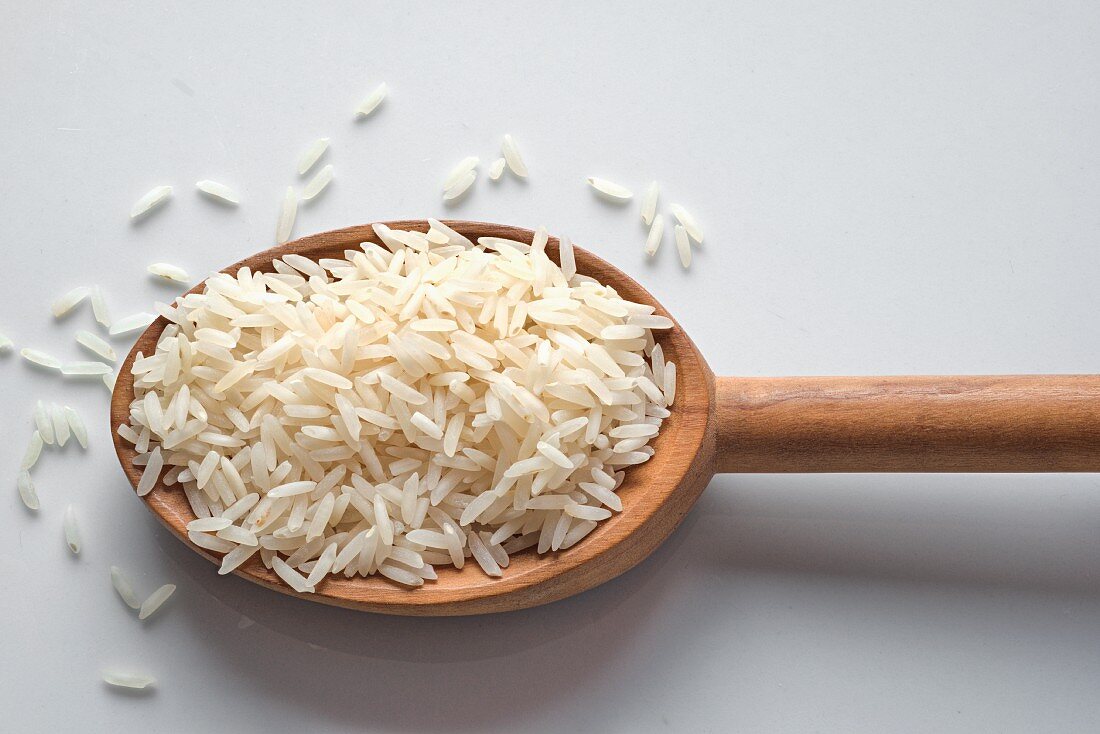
<point x="728" y="424"/>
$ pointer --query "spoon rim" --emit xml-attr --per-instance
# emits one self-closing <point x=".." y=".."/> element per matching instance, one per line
<point x="656" y="495"/>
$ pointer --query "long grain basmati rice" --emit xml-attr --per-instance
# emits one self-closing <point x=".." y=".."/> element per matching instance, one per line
<point x="124" y="588"/>
<point x="152" y="199"/>
<point x="510" y="150"/>
<point x="99" y="307"/>
<point x="96" y="345"/>
<point x="683" y="246"/>
<point x="483" y="401"/>
<point x="60" y="422"/>
<point x="133" y="322"/>
<point x="461" y="186"/>
<point x="368" y="105"/>
<point x="69" y="301"/>
<point x="154" y="601"/>
<point x="649" y="203"/>
<point x="311" y="155"/>
<point x="83" y="369"/>
<point x="40" y="358"/>
<point x="689" y="223"/>
<point x="318" y="183"/>
<point x="43" y="423"/>
<point x="27" y="491"/>
<point x="72" y="532"/>
<point x="459" y="171"/>
<point x="32" y="452"/>
<point x="169" y="272"/>
<point x="126" y="679"/>
<point x="76" y="425"/>
<point x="218" y="192"/>
<point x="288" y="211"/>
<point x="610" y="190"/>
<point x="656" y="232"/>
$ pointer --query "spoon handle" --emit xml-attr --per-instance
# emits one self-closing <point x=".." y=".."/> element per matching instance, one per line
<point x="1015" y="423"/>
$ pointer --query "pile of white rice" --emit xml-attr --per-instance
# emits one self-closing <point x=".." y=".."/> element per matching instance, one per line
<point x="409" y="405"/>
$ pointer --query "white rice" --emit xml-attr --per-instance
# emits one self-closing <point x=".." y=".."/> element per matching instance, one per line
<point x="99" y="307"/>
<point x="26" y="489"/>
<point x="691" y="226"/>
<point x="512" y="157"/>
<point x="72" y="531"/>
<point x="649" y="203"/>
<point x="311" y="155"/>
<point x="150" y="201"/>
<point x="318" y="183"/>
<point x="76" y="425"/>
<point x="453" y="237"/>
<point x="153" y="602"/>
<point x="413" y="404"/>
<point x="288" y="210"/>
<point x="368" y="105"/>
<point x="43" y="424"/>
<point x="69" y="301"/>
<point x="610" y="190"/>
<point x="683" y="246"/>
<point x="40" y="358"/>
<point x="32" y="452"/>
<point x="218" y="191"/>
<point x="656" y="232"/>
<point x="496" y="169"/>
<point x="123" y="587"/>
<point x="61" y="429"/>
<point x="169" y="272"/>
<point x="96" y="345"/>
<point x="125" y="679"/>
<point x="109" y="381"/>
<point x="151" y="473"/>
<point x="133" y="322"/>
<point x="566" y="256"/>
<point x="83" y="369"/>
<point x="460" y="186"/>
<point x="5" y="344"/>
<point x="459" y="171"/>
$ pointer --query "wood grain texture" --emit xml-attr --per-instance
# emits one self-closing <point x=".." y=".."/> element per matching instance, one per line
<point x="656" y="496"/>
<point x="1029" y="423"/>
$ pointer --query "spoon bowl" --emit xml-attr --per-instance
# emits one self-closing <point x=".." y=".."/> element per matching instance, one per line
<point x="791" y="424"/>
<point x="656" y="495"/>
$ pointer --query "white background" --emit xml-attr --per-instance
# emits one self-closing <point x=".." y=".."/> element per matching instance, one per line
<point x="902" y="187"/>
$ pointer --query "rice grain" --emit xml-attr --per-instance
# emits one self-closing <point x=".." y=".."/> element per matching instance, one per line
<point x="689" y="223"/>
<point x="96" y="345"/>
<point x="72" y="532"/>
<point x="288" y="210"/>
<point x="368" y="105"/>
<point x="154" y="601"/>
<point x="154" y="198"/>
<point x="510" y="150"/>
<point x="649" y="203"/>
<point x="683" y="247"/>
<point x="318" y="183"/>
<point x="69" y="301"/>
<point x="123" y="588"/>
<point x="311" y="155"/>
<point x="40" y="358"/>
<point x="218" y="191"/>
<point x="169" y="272"/>
<point x="610" y="190"/>
<point x="124" y="679"/>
